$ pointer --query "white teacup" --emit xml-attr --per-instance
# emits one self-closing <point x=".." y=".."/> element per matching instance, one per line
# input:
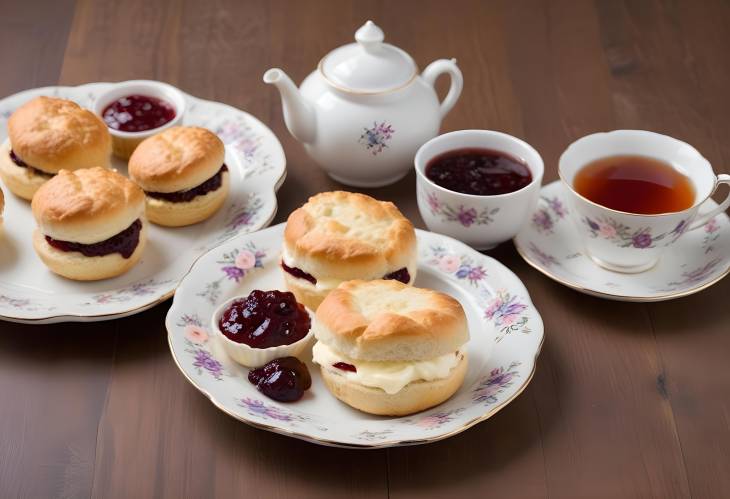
<point x="480" y="221"/>
<point x="628" y="242"/>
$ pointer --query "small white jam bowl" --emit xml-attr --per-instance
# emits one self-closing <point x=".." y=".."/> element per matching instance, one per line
<point x="480" y="221"/>
<point x="256" y="357"/>
<point x="124" y="143"/>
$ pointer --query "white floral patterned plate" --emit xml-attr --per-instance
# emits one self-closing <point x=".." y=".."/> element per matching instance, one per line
<point x="506" y="336"/>
<point x="550" y="243"/>
<point x="29" y="292"/>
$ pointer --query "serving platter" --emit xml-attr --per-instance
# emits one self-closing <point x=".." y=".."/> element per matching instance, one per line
<point x="30" y="293"/>
<point x="550" y="243"/>
<point x="505" y="327"/>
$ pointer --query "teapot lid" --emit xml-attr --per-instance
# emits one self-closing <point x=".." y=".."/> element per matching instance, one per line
<point x="368" y="66"/>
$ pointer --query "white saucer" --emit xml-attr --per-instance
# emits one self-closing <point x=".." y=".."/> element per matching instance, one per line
<point x="506" y="335"/>
<point x="551" y="244"/>
<point x="30" y="293"/>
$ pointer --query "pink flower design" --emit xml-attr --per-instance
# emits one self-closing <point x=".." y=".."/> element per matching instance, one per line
<point x="196" y="334"/>
<point x="712" y="226"/>
<point x="433" y="202"/>
<point x="449" y="263"/>
<point x="245" y="260"/>
<point x="607" y="231"/>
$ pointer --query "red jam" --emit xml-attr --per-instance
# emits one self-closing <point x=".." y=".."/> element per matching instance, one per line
<point x="138" y="113"/>
<point x="210" y="185"/>
<point x="481" y="172"/>
<point x="15" y="159"/>
<point x="123" y="243"/>
<point x="401" y="275"/>
<point x="345" y="366"/>
<point x="299" y="273"/>
<point x="283" y="379"/>
<point x="265" y="319"/>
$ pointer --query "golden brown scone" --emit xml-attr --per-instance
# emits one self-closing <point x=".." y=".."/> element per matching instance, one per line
<point x="390" y="321"/>
<point x="405" y="346"/>
<point x="51" y="134"/>
<point x="415" y="397"/>
<point x="21" y="181"/>
<point x="175" y="161"/>
<point x="86" y="207"/>
<point x="339" y="236"/>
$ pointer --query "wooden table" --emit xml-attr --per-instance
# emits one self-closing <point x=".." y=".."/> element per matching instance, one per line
<point x="629" y="400"/>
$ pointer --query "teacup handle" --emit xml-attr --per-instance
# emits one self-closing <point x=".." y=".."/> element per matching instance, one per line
<point x="702" y="220"/>
<point x="434" y="70"/>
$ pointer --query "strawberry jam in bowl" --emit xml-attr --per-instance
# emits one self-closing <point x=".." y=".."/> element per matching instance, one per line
<point x="263" y="326"/>
<point x="137" y="109"/>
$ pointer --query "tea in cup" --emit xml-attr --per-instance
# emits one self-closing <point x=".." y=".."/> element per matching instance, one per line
<point x="633" y="193"/>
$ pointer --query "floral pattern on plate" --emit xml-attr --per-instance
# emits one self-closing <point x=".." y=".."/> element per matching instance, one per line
<point x="551" y="211"/>
<point x="257" y="164"/>
<point x="498" y="372"/>
<point x="697" y="260"/>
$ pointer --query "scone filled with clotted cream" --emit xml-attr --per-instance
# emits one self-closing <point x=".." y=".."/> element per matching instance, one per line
<point x="390" y="349"/>
<point x="47" y="135"/>
<point x="339" y="236"/>
<point x="183" y="174"/>
<point x="91" y="224"/>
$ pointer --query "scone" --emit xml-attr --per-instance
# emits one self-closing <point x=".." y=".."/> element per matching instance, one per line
<point x="390" y="349"/>
<point x="340" y="236"/>
<point x="46" y="135"/>
<point x="91" y="224"/>
<point x="183" y="174"/>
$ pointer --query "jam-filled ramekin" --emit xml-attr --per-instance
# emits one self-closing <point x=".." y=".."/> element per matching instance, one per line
<point x="263" y="326"/>
<point x="137" y="109"/>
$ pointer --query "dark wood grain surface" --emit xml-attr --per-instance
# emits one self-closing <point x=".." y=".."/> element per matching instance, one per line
<point x="629" y="400"/>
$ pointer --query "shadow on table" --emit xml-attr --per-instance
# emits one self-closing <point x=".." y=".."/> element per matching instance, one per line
<point x="142" y="335"/>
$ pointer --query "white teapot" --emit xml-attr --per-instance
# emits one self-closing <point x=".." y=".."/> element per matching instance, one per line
<point x="365" y="110"/>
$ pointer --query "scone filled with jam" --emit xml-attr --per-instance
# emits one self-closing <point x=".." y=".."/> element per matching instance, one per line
<point x="183" y="174"/>
<point x="340" y="236"/>
<point x="390" y="349"/>
<point x="46" y="135"/>
<point x="91" y="224"/>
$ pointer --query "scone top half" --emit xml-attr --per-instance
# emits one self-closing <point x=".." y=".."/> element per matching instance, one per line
<point x="87" y="206"/>
<point x="387" y="321"/>
<point x="51" y="134"/>
<point x="340" y="236"/>
<point x="178" y="159"/>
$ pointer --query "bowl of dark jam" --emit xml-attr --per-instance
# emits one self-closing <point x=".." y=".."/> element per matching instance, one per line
<point x="136" y="109"/>
<point x="478" y="186"/>
<point x="262" y="326"/>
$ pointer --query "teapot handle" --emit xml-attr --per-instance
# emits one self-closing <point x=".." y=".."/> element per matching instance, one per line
<point x="434" y="70"/>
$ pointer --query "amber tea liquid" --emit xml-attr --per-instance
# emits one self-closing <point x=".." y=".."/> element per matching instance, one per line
<point x="635" y="184"/>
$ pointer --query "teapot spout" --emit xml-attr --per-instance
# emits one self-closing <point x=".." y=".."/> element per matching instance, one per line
<point x="298" y="114"/>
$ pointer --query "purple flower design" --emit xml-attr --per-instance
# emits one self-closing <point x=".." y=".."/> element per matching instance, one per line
<point x="498" y="379"/>
<point x="680" y="228"/>
<point x="542" y="221"/>
<point x="376" y="139"/>
<point x="505" y="309"/>
<point x="473" y="274"/>
<point x="203" y="360"/>
<point x="641" y="240"/>
<point x="257" y="407"/>
<point x="557" y="206"/>
<point x="542" y="257"/>
<point x="593" y="225"/>
<point x="466" y="217"/>
<point x="433" y="202"/>
<point x="234" y="273"/>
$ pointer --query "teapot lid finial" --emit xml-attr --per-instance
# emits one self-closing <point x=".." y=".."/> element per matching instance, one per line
<point x="370" y="36"/>
<point x="370" y="65"/>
